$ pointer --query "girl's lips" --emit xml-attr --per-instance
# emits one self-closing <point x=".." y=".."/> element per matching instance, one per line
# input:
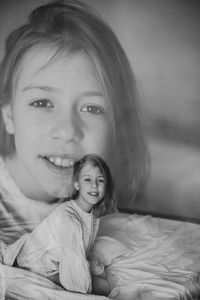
<point x="58" y="165"/>
<point x="93" y="194"/>
<point x="61" y="162"/>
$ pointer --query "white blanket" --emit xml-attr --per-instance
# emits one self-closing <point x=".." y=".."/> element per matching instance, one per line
<point x="150" y="258"/>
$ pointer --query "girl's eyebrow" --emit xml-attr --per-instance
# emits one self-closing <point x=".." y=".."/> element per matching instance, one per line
<point x="54" y="89"/>
<point x="43" y="88"/>
<point x="87" y="175"/>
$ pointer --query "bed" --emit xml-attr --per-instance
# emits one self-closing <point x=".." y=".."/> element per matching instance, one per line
<point x="161" y="259"/>
<point x="152" y="258"/>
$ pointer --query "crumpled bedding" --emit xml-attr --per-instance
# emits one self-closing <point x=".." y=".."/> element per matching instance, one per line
<point x="152" y="259"/>
<point x="161" y="259"/>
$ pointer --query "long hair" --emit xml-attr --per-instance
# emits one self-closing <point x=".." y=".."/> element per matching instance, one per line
<point x="108" y="203"/>
<point x="70" y="27"/>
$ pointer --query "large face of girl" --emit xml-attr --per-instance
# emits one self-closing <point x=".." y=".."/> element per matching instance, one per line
<point x="58" y="114"/>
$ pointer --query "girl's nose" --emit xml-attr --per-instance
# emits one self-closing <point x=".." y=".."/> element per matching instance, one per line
<point x="94" y="184"/>
<point x="67" y="129"/>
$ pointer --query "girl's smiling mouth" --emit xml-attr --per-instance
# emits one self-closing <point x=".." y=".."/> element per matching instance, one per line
<point x="61" y="162"/>
<point x="95" y="194"/>
<point x="59" y="165"/>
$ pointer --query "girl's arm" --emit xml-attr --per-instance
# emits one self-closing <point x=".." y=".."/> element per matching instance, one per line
<point x="74" y="271"/>
<point x="100" y="285"/>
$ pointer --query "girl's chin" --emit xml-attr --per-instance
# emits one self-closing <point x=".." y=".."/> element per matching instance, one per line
<point x="59" y="188"/>
<point x="62" y="193"/>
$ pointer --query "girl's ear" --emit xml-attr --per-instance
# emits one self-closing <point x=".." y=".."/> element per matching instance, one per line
<point x="76" y="186"/>
<point x="8" y="118"/>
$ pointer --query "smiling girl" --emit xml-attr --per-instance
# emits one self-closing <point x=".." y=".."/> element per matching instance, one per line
<point x="57" y="111"/>
<point x="58" y="247"/>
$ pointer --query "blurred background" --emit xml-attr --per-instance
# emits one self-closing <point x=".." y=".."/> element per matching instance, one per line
<point x="162" y="41"/>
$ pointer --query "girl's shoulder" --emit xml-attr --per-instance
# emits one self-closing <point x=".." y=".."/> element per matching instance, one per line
<point x="64" y="212"/>
<point x="69" y="207"/>
<point x="65" y="207"/>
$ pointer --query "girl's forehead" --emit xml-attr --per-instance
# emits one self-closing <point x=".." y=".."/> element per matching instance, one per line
<point x="39" y="62"/>
<point x="43" y="56"/>
<point x="32" y="63"/>
<point x="88" y="168"/>
<point x="37" y="58"/>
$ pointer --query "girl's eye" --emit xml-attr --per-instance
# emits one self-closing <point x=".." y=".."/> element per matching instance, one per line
<point x="41" y="103"/>
<point x="88" y="179"/>
<point x="93" y="109"/>
<point x="101" y="180"/>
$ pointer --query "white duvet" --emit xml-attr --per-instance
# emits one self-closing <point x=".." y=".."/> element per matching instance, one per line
<point x="150" y="258"/>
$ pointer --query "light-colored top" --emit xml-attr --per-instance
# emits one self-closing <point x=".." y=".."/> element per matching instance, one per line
<point x="60" y="244"/>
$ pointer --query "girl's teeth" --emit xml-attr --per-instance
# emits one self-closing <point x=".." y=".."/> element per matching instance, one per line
<point x="65" y="163"/>
<point x="93" y="193"/>
<point x="58" y="161"/>
<point x="71" y="163"/>
<point x="52" y="159"/>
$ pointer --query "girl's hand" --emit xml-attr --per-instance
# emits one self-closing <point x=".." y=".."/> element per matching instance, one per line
<point x="96" y="267"/>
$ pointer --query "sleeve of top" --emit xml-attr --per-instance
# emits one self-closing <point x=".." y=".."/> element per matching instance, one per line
<point x="74" y="271"/>
<point x="20" y="284"/>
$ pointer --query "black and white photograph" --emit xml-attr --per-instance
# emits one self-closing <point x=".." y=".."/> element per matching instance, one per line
<point x="99" y="149"/>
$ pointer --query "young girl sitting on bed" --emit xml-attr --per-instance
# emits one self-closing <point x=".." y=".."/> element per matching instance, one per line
<point x="59" y="246"/>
